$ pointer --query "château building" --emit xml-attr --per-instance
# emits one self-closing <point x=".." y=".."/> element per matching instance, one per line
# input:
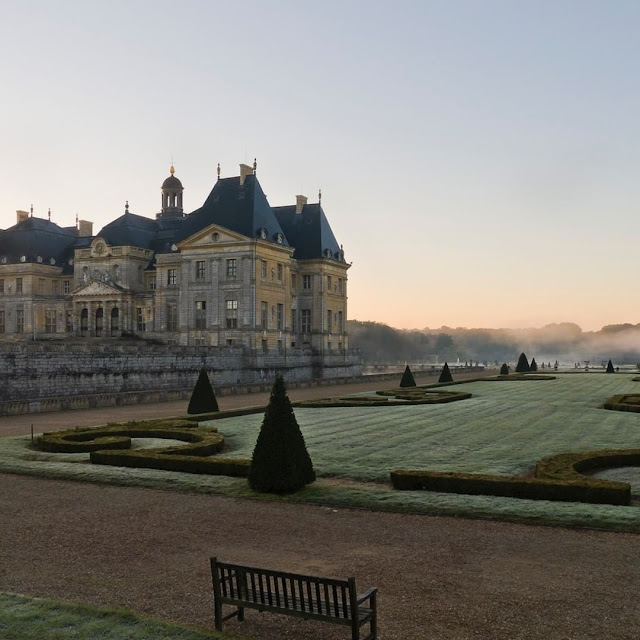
<point x="235" y="272"/>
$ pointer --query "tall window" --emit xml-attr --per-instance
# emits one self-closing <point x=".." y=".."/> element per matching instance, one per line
<point x="50" y="325"/>
<point x="306" y="282"/>
<point x="200" y="269"/>
<point x="1" y="286"/>
<point x="56" y="287"/>
<point x="232" y="314"/>
<point x="20" y="320"/>
<point x="140" y="275"/>
<point x="69" y="322"/>
<point x="152" y="283"/>
<point x="293" y="320"/>
<point x="280" y="272"/>
<point x="264" y="315"/>
<point x="340" y="286"/>
<point x="305" y="320"/>
<point x="171" y="277"/>
<point x="140" y="319"/>
<point x="66" y="286"/>
<point x="263" y="269"/>
<point x="340" y="322"/>
<point x="41" y="286"/>
<point x="231" y="268"/>
<point x="1" y="320"/>
<point x="18" y="285"/>
<point x="330" y="321"/>
<point x="280" y="317"/>
<point x="201" y="314"/>
<point x="329" y="284"/>
<point x="172" y="317"/>
<point x="293" y="281"/>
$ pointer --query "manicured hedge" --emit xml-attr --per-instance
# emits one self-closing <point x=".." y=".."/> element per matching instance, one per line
<point x="153" y="459"/>
<point x="624" y="402"/>
<point x="520" y="376"/>
<point x="599" y="492"/>
<point x="395" y="398"/>
<point x="86" y="440"/>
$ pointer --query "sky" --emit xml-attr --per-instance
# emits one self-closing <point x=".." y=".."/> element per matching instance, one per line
<point x="478" y="160"/>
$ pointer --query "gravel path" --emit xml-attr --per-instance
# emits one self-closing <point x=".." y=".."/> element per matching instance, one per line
<point x="438" y="578"/>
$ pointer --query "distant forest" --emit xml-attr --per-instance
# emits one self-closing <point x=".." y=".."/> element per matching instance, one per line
<point x="566" y="342"/>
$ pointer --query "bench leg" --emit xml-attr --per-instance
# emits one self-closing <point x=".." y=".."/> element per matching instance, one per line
<point x="374" y="619"/>
<point x="217" y="612"/>
<point x="241" y="614"/>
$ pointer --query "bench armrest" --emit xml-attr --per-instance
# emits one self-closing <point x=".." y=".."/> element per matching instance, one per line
<point x="367" y="595"/>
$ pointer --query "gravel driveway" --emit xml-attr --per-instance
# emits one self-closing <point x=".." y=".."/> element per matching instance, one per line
<point x="438" y="578"/>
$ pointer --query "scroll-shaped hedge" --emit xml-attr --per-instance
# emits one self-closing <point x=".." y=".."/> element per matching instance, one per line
<point x="624" y="402"/>
<point x="111" y="445"/>
<point x="390" y="398"/>
<point x="556" y="478"/>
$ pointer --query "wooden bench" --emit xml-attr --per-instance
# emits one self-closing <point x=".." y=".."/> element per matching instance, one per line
<point x="327" y="599"/>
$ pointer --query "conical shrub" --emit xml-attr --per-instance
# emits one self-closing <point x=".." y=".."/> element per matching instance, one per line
<point x="504" y="370"/>
<point x="610" y="368"/>
<point x="203" y="399"/>
<point x="280" y="462"/>
<point x="523" y="364"/>
<point x="534" y="365"/>
<point x="407" y="378"/>
<point x="445" y="374"/>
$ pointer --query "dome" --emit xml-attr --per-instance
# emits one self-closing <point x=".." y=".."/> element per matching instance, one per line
<point x="172" y="183"/>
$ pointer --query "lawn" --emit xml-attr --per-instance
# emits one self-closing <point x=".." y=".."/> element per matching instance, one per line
<point x="503" y="429"/>
<point x="25" y="618"/>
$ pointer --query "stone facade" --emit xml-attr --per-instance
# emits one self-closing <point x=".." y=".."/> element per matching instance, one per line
<point x="256" y="282"/>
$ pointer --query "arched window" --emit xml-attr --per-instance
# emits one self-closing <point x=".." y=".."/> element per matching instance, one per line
<point x="84" y="322"/>
<point x="115" y="322"/>
<point x="99" y="321"/>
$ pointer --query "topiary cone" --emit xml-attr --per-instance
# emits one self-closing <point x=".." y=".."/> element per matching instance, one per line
<point x="523" y="364"/>
<point x="504" y="370"/>
<point x="280" y="462"/>
<point x="534" y="365"/>
<point x="445" y="374"/>
<point x="610" y="368"/>
<point x="203" y="399"/>
<point x="407" y="378"/>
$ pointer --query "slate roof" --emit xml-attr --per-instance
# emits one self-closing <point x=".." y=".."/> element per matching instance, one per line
<point x="130" y="230"/>
<point x="309" y="232"/>
<point x="35" y="237"/>
<point x="238" y="207"/>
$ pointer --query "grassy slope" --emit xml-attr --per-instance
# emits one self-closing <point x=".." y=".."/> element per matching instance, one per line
<point x="504" y="428"/>
<point x="25" y="618"/>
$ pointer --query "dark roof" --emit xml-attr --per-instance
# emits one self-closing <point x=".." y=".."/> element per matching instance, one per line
<point x="172" y="183"/>
<point x="309" y="232"/>
<point x="130" y="230"/>
<point x="241" y="208"/>
<point x="36" y="237"/>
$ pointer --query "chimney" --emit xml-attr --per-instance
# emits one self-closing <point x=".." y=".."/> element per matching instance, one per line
<point x="245" y="170"/>
<point x="85" y="228"/>
<point x="22" y="215"/>
<point x="300" y="202"/>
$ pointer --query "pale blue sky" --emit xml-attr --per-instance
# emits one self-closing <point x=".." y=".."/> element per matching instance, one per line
<point x="478" y="160"/>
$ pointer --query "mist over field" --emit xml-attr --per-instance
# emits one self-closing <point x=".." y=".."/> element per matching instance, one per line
<point x="565" y="342"/>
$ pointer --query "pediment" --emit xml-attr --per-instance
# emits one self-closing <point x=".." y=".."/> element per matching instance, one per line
<point x="211" y="236"/>
<point x="97" y="288"/>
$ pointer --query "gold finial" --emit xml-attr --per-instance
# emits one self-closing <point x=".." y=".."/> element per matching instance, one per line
<point x="49" y="214"/>
<point x="319" y="196"/>
<point x="255" y="166"/>
<point x="126" y="205"/>
<point x="218" y="171"/>
<point x="31" y="211"/>
<point x="172" y="170"/>
<point x="77" y="221"/>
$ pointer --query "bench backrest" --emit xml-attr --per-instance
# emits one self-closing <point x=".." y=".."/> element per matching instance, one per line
<point x="286" y="591"/>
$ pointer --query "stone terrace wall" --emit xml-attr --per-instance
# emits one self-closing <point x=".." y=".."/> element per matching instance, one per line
<point x="54" y="376"/>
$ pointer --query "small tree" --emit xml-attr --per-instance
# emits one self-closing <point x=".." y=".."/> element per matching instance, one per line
<point x="504" y="370"/>
<point x="534" y="365"/>
<point x="445" y="374"/>
<point x="523" y="364"/>
<point x="407" y="378"/>
<point x="203" y="399"/>
<point x="610" y="368"/>
<point x="280" y="462"/>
